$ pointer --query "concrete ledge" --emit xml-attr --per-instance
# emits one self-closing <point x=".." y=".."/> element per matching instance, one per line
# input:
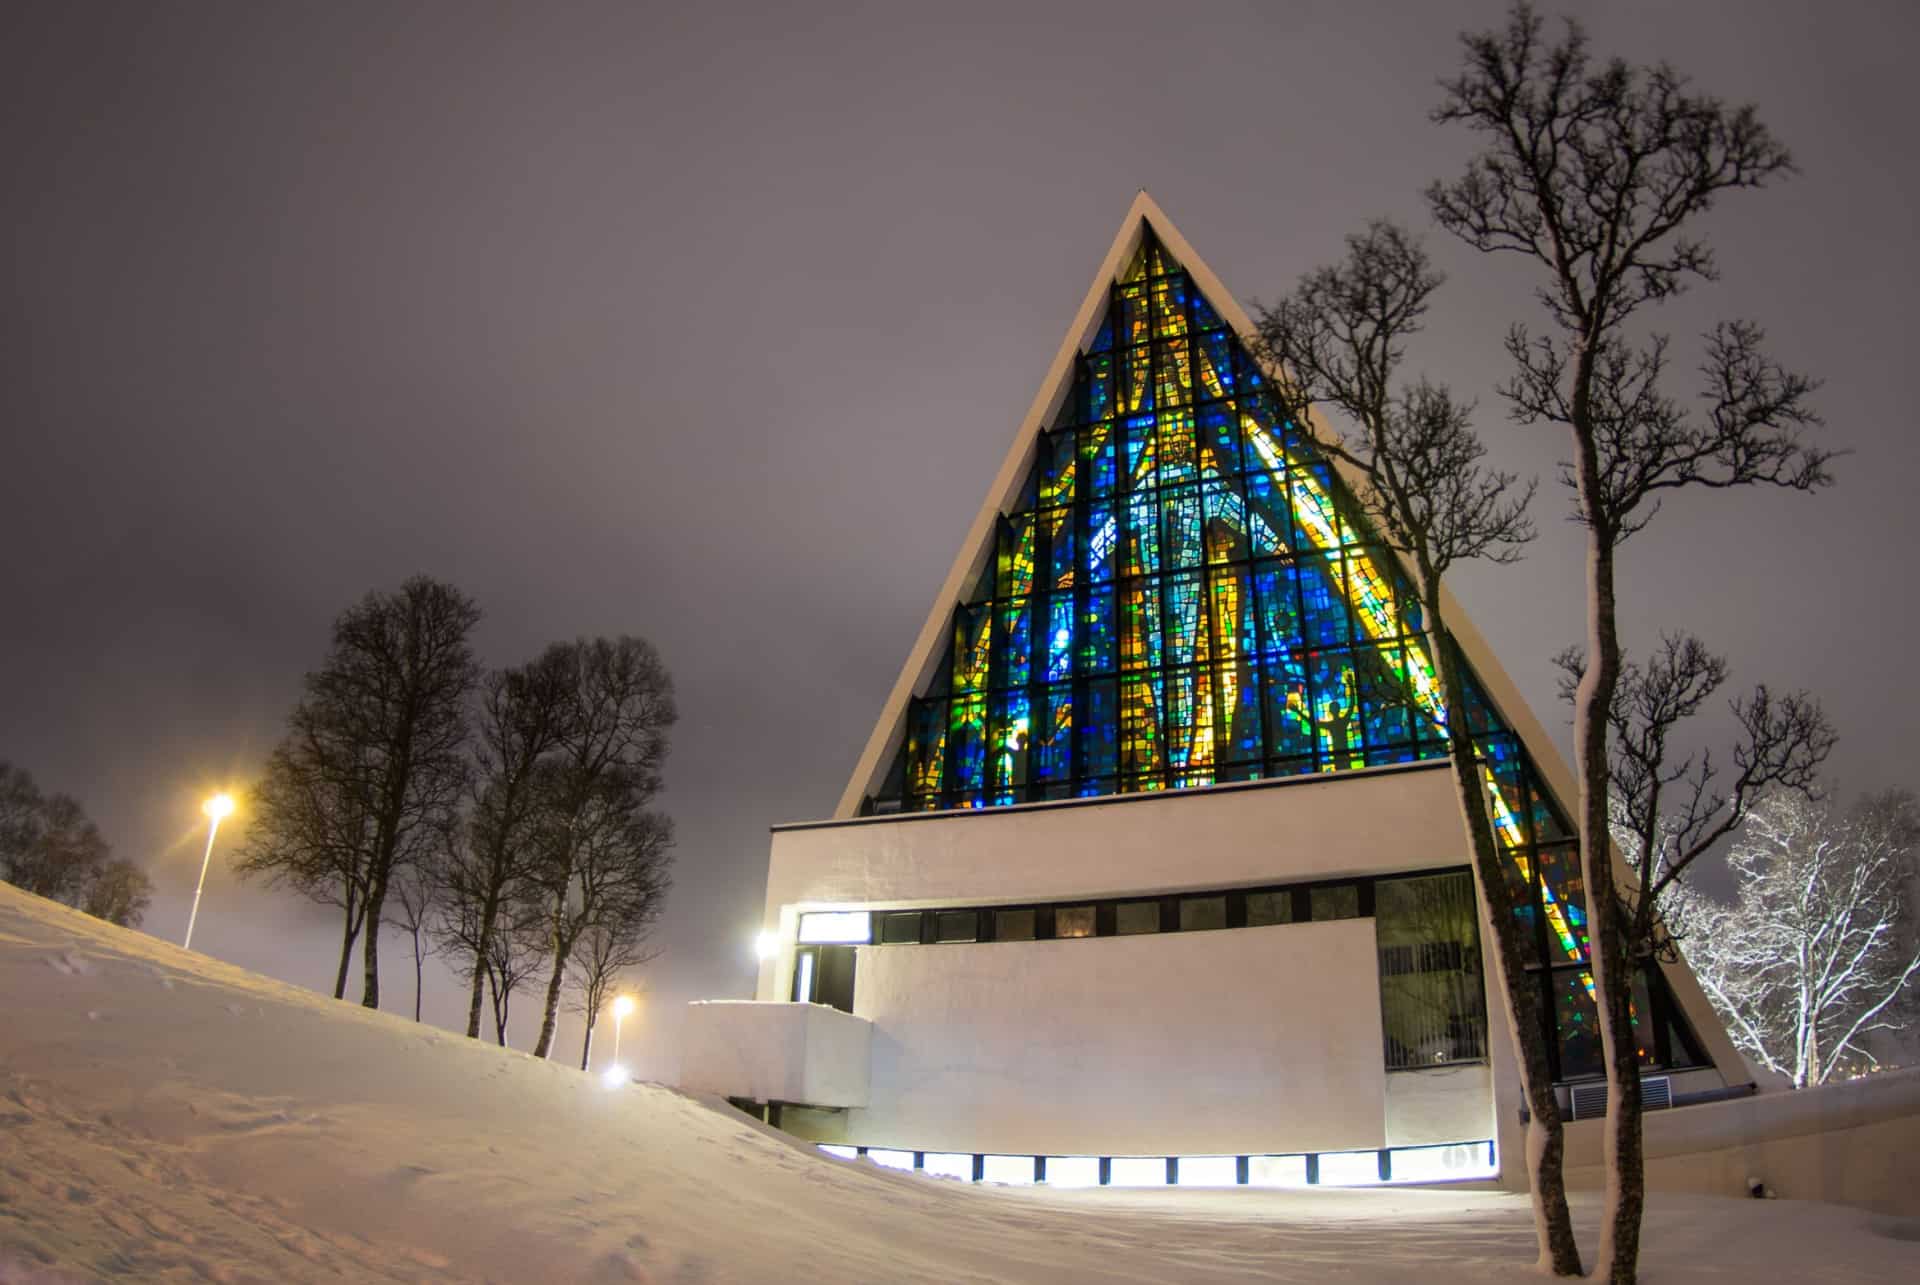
<point x="776" y="1052"/>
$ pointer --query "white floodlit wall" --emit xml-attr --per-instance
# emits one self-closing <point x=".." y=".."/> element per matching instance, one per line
<point x="1322" y="827"/>
<point x="1251" y="1039"/>
<point x="1236" y="1041"/>
<point x="776" y="1052"/>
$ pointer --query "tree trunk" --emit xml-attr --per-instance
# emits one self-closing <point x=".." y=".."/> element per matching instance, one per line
<point x="1626" y="1194"/>
<point x="418" y="959"/>
<point x="376" y="896"/>
<point x="489" y="914"/>
<point x="586" y="1043"/>
<point x="1546" y="1143"/>
<point x="346" y="953"/>
<point x="500" y="1003"/>
<point x="551" y="1017"/>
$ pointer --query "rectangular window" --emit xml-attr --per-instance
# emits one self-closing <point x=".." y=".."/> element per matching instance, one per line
<point x="1013" y="925"/>
<point x="1073" y="1171"/>
<point x="1269" y="908"/>
<point x="1132" y="917"/>
<point x="1336" y="901"/>
<point x="1274" y="1171"/>
<point x="1015" y="1171"/>
<point x="899" y="928"/>
<point x="837" y="926"/>
<point x="1073" y="921"/>
<point x="1432" y="1000"/>
<point x="948" y="1164"/>
<point x="1138" y="1171"/>
<point x="1198" y="913"/>
<point x="1349" y="1168"/>
<point x="956" y="925"/>
<point x="1209" y="1171"/>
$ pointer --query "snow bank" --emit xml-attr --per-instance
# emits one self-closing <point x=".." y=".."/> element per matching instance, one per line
<point x="166" y="1117"/>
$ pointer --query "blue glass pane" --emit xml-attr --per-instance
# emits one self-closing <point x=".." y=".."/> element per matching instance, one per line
<point x="1096" y="632"/>
<point x="1052" y="756"/>
<point x="1060" y="637"/>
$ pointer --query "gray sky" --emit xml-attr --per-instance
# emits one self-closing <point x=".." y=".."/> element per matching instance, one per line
<point x="714" y="328"/>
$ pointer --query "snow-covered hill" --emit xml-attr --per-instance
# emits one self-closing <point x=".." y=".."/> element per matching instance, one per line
<point x="166" y="1117"/>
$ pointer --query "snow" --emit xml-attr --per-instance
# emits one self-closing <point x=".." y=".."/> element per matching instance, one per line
<point x="167" y="1117"/>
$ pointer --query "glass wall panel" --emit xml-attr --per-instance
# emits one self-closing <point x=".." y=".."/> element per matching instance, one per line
<point x="1269" y="908"/>
<point x="1132" y="917"/>
<point x="1013" y="925"/>
<point x="1335" y="901"/>
<point x="1432" y="998"/>
<point x="1181" y="593"/>
<point x="1199" y="913"/>
<point x="956" y="925"/>
<point x="1073" y="921"/>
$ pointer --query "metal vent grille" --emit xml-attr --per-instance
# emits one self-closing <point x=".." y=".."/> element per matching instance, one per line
<point x="1590" y="1100"/>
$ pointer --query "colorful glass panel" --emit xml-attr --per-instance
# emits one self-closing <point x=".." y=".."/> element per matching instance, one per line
<point x="1182" y="594"/>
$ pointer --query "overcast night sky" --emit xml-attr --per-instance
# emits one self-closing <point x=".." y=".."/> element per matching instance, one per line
<point x="715" y="327"/>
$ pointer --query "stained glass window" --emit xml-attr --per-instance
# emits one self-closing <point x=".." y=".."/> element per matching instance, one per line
<point x="1185" y="595"/>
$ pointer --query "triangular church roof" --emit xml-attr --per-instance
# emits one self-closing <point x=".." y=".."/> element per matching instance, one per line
<point x="1144" y="220"/>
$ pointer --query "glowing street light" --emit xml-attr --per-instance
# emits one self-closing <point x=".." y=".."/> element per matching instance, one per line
<point x="621" y="1007"/>
<point x="217" y="808"/>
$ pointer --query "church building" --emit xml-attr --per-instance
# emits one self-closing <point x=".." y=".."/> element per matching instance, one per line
<point x="1151" y="870"/>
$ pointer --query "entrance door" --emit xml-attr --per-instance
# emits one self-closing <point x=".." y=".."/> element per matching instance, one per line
<point x="824" y="975"/>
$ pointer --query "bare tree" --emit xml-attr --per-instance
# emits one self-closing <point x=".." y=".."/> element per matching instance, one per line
<point x="1598" y="175"/>
<point x="418" y="893"/>
<point x="518" y="723"/>
<point x="20" y="801"/>
<point x="49" y="847"/>
<point x="119" y="893"/>
<point x="594" y="834"/>
<point x="516" y="952"/>
<point x="1669" y="808"/>
<point x="54" y="850"/>
<point x="367" y="779"/>
<point x="1336" y="344"/>
<point x="1811" y="958"/>
<point x="617" y="943"/>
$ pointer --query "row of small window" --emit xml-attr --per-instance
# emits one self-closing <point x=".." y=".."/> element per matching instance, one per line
<point x="1009" y="788"/>
<point x="1186" y="913"/>
<point x="1457" y="1162"/>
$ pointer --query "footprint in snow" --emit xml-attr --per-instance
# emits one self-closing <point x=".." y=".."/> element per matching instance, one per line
<point x="69" y="963"/>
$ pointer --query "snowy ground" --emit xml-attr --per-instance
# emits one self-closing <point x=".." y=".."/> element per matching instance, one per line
<point x="165" y="1117"/>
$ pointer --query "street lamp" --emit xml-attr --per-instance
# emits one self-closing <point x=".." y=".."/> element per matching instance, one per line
<point x="216" y="808"/>
<point x="621" y="1007"/>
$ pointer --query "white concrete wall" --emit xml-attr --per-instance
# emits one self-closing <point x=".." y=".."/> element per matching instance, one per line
<point x="776" y="1052"/>
<point x="1252" y="1040"/>
<point x="1856" y="1143"/>
<point x="1086" y="1045"/>
<point x="1444" y="1104"/>
<point x="1313" y="828"/>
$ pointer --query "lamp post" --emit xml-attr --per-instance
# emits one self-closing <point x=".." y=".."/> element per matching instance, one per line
<point x="621" y="1007"/>
<point x="216" y="808"/>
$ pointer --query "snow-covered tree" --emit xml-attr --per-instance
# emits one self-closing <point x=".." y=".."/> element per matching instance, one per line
<point x="1817" y="950"/>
